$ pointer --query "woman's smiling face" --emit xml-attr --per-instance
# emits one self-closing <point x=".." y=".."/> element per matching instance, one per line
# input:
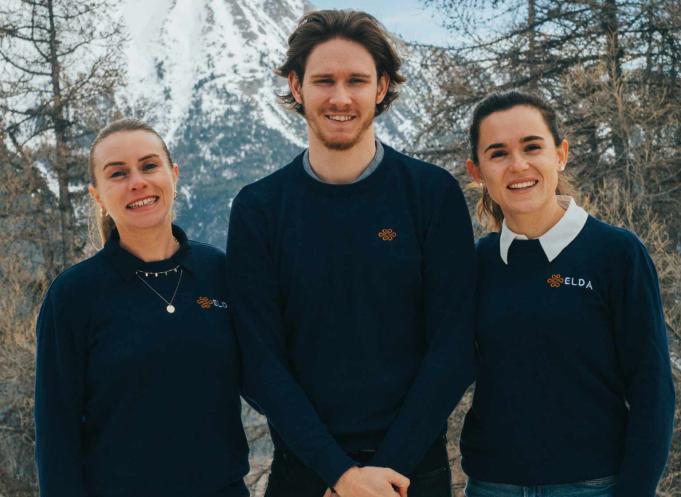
<point x="135" y="183"/>
<point x="518" y="160"/>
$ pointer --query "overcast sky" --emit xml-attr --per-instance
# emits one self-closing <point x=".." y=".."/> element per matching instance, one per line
<point x="407" y="18"/>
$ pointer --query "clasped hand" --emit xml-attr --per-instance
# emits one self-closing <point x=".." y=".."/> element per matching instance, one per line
<point x="370" y="481"/>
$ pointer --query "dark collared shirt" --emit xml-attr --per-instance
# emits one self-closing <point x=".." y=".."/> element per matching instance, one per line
<point x="132" y="400"/>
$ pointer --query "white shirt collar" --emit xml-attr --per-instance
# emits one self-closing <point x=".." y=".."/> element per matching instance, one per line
<point x="557" y="238"/>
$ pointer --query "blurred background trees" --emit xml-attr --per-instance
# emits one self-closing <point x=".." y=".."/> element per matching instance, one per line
<point x="61" y="66"/>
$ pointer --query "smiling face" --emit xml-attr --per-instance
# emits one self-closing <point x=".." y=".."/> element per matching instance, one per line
<point x="135" y="184"/>
<point x="519" y="162"/>
<point x="339" y="92"/>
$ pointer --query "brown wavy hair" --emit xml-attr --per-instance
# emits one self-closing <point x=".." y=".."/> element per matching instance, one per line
<point x="104" y="223"/>
<point x="319" y="26"/>
<point x="487" y="210"/>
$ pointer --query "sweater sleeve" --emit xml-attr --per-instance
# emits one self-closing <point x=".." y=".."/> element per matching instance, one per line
<point x="268" y="383"/>
<point x="448" y="367"/>
<point x="642" y="350"/>
<point x="59" y="390"/>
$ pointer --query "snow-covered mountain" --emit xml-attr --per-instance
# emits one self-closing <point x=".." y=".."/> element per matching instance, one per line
<point x="202" y="70"/>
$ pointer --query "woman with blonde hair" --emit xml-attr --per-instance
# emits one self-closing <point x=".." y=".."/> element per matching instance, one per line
<point x="137" y="380"/>
<point x="574" y="391"/>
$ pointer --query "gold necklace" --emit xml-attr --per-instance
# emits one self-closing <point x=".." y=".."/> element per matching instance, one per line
<point x="170" y="308"/>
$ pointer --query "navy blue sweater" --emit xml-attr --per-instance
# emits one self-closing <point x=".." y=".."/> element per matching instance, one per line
<point x="353" y="307"/>
<point x="574" y="380"/>
<point x="132" y="401"/>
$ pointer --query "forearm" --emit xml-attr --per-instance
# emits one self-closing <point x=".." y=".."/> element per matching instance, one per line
<point x="58" y="400"/>
<point x="436" y="391"/>
<point x="270" y="385"/>
<point x="448" y="367"/>
<point x="254" y="297"/>
<point x="648" y="435"/>
<point x="643" y="353"/>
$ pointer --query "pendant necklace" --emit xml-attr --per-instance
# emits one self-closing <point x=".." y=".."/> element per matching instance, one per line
<point x="170" y="308"/>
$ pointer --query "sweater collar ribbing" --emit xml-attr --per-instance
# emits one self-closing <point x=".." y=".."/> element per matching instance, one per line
<point x="360" y="185"/>
<point x="125" y="264"/>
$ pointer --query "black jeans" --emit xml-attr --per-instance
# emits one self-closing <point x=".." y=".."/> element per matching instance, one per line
<point x="289" y="477"/>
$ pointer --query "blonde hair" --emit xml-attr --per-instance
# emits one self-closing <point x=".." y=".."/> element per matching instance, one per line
<point x="103" y="222"/>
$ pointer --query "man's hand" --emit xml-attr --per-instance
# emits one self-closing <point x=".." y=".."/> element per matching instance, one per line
<point x="370" y="481"/>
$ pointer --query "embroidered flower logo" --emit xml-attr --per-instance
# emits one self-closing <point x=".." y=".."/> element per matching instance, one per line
<point x="387" y="234"/>
<point x="555" y="280"/>
<point x="205" y="302"/>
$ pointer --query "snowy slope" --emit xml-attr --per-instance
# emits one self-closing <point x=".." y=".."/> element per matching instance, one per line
<point x="182" y="48"/>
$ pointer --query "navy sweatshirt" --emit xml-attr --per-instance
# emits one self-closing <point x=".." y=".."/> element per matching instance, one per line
<point x="574" y="378"/>
<point x="353" y="306"/>
<point x="132" y="401"/>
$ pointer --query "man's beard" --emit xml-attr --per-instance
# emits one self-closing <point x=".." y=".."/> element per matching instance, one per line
<point x="346" y="144"/>
<point x="338" y="144"/>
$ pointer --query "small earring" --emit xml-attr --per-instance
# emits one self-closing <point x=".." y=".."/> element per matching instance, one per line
<point x="174" y="194"/>
<point x="103" y="212"/>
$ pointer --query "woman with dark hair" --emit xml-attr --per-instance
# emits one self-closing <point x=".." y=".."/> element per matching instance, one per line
<point x="574" y="392"/>
<point x="137" y="380"/>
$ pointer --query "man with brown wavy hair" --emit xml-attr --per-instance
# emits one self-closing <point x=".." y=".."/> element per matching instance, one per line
<point x="351" y="280"/>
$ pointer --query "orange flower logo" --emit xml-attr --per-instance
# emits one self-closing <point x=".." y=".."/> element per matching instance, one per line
<point x="205" y="302"/>
<point x="555" y="280"/>
<point x="387" y="235"/>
